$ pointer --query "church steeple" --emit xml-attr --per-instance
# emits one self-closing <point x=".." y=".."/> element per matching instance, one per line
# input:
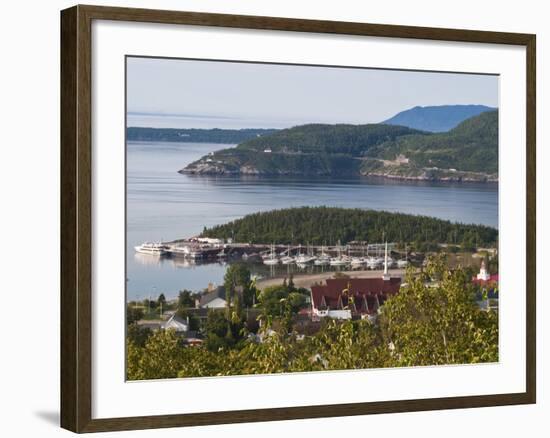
<point x="386" y="275"/>
<point x="483" y="274"/>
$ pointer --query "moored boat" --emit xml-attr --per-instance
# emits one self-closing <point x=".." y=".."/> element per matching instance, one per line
<point x="402" y="263"/>
<point x="287" y="260"/>
<point x="151" y="248"/>
<point x="272" y="258"/>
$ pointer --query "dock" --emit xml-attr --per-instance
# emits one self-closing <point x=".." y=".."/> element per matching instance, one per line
<point x="205" y="248"/>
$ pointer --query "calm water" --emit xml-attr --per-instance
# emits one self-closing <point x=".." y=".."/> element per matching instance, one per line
<point x="165" y="205"/>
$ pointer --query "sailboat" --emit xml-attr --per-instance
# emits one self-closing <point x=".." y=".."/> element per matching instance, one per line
<point x="323" y="259"/>
<point x="287" y="259"/>
<point x="386" y="275"/>
<point x="304" y="259"/>
<point x="340" y="260"/>
<point x="374" y="262"/>
<point x="403" y="263"/>
<point x="272" y="259"/>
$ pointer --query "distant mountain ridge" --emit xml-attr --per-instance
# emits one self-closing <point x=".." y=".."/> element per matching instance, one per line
<point x="436" y="118"/>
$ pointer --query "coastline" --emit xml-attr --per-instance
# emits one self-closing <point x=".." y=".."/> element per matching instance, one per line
<point x="306" y="280"/>
<point x="426" y="175"/>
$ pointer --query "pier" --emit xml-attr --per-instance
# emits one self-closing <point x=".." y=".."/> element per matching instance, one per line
<point x="203" y="249"/>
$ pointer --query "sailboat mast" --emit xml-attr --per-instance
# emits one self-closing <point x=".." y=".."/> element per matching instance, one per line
<point x="386" y="260"/>
<point x="386" y="276"/>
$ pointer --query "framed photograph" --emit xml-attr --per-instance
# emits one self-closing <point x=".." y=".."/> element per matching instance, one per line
<point x="269" y="218"/>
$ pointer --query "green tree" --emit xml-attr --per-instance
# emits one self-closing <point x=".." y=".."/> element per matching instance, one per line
<point x="138" y="335"/>
<point x="315" y="224"/>
<point x="161" y="301"/>
<point x="186" y="313"/>
<point x="133" y="314"/>
<point x="185" y="299"/>
<point x="223" y="331"/>
<point x="270" y="300"/>
<point x="160" y="358"/>
<point x="297" y="300"/>
<point x="438" y="323"/>
<point x="237" y="280"/>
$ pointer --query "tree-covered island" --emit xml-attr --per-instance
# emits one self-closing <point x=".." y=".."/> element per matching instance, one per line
<point x="330" y="225"/>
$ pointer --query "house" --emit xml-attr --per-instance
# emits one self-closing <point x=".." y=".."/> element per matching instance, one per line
<point x="180" y="325"/>
<point x="214" y="299"/>
<point x="347" y="298"/>
<point x="175" y="322"/>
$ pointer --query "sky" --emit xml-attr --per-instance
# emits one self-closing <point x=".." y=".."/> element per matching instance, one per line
<point x="215" y="94"/>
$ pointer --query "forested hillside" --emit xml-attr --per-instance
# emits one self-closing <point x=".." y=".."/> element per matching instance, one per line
<point x="468" y="152"/>
<point x="328" y="225"/>
<point x="229" y="136"/>
<point x="471" y="146"/>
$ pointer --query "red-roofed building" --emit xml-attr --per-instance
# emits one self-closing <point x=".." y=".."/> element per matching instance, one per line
<point x="346" y="298"/>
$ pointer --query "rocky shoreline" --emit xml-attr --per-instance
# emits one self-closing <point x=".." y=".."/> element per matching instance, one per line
<point x="428" y="175"/>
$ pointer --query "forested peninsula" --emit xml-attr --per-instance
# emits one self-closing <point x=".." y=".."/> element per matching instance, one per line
<point x="223" y="136"/>
<point x="330" y="225"/>
<point x="468" y="152"/>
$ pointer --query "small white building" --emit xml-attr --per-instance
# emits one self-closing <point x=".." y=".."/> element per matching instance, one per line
<point x="214" y="299"/>
<point x="333" y="313"/>
<point x="210" y="240"/>
<point x="483" y="274"/>
<point x="178" y="324"/>
<point x="267" y="150"/>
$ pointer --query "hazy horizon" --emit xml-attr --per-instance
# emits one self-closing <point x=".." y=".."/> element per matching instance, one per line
<point x="179" y="93"/>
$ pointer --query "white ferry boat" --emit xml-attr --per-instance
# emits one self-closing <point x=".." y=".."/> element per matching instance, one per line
<point x="150" y="248"/>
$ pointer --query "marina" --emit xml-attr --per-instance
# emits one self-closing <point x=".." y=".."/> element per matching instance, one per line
<point x="213" y="250"/>
<point x="163" y="206"/>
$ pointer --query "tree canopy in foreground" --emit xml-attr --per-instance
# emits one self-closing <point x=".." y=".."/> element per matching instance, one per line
<point x="434" y="320"/>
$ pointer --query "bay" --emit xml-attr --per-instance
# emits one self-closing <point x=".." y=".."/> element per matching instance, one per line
<point x="163" y="204"/>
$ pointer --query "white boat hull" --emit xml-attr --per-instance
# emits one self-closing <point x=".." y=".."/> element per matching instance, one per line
<point x="321" y="262"/>
<point x="271" y="262"/>
<point x="149" y="252"/>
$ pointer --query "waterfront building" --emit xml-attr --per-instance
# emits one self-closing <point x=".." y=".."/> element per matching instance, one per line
<point x="209" y="240"/>
<point x="350" y="298"/>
